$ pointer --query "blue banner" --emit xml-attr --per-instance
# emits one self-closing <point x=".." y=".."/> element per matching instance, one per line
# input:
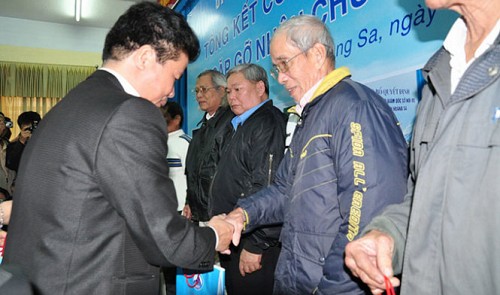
<point x="384" y="43"/>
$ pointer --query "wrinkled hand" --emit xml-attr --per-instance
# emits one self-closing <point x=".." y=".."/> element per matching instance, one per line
<point x="186" y="212"/>
<point x="370" y="258"/>
<point x="237" y="219"/>
<point x="249" y="262"/>
<point x="224" y="231"/>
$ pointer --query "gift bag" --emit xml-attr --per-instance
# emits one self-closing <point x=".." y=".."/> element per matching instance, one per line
<point x="208" y="283"/>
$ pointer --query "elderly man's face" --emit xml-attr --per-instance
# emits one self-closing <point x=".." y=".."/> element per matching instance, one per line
<point x="243" y="94"/>
<point x="208" y="96"/>
<point x="302" y="73"/>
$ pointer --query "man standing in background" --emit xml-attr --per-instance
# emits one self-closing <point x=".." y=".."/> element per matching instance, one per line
<point x="28" y="122"/>
<point x="250" y="157"/>
<point x="205" y="148"/>
<point x="6" y="175"/>
<point x="178" y="144"/>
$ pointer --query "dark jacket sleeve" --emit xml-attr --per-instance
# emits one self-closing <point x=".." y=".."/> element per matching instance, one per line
<point x="267" y="157"/>
<point x="133" y="175"/>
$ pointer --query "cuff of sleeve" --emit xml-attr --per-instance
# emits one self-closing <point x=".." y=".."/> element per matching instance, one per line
<point x="216" y="235"/>
<point x="247" y="219"/>
<point x="250" y="247"/>
<point x="385" y="226"/>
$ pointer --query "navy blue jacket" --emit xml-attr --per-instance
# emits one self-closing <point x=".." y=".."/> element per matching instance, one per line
<point x="346" y="162"/>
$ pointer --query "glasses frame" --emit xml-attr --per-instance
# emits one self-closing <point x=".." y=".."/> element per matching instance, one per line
<point x="203" y="89"/>
<point x="283" y="66"/>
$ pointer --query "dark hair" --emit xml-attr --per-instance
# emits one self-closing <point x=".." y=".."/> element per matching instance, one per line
<point x="173" y="109"/>
<point x="28" y="118"/>
<point x="149" y="23"/>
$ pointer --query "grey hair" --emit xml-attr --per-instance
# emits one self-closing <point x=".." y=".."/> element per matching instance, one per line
<point x="252" y="72"/>
<point x="303" y="31"/>
<point x="218" y="80"/>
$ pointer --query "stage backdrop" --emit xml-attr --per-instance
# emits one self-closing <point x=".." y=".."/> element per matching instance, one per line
<point x="384" y="43"/>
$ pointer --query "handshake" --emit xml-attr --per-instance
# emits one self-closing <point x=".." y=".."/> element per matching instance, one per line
<point x="228" y="229"/>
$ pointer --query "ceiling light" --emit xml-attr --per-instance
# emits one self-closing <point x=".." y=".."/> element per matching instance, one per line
<point x="78" y="10"/>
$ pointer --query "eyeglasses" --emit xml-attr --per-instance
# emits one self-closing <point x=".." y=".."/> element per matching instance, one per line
<point x="203" y="89"/>
<point x="282" y="66"/>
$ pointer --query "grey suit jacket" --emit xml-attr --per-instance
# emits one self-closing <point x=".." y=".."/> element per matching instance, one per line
<point x="95" y="211"/>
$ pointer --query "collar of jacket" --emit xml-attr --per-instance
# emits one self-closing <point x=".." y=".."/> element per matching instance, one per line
<point x="486" y="68"/>
<point x="330" y="80"/>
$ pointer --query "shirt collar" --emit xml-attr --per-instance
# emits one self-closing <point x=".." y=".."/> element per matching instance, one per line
<point x="176" y="132"/>
<point x="307" y="97"/>
<point x="239" y="120"/>
<point x="456" y="38"/>
<point x="208" y="116"/>
<point x="125" y="84"/>
<point x="454" y="43"/>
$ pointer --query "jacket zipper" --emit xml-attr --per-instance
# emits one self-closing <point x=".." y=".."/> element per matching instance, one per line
<point x="270" y="172"/>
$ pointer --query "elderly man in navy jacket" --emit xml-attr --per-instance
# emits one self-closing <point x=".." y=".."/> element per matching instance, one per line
<point x="346" y="162"/>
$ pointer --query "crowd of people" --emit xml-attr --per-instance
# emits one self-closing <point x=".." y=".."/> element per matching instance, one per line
<point x="332" y="201"/>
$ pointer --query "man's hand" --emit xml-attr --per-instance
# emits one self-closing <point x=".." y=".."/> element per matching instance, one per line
<point x="249" y="262"/>
<point x="224" y="231"/>
<point x="186" y="212"/>
<point x="370" y="259"/>
<point x="237" y="219"/>
<point x="25" y="134"/>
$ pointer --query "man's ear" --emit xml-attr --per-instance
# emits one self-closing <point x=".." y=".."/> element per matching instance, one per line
<point x="261" y="88"/>
<point x="318" y="53"/>
<point x="221" y="90"/>
<point x="144" y="56"/>
<point x="177" y="120"/>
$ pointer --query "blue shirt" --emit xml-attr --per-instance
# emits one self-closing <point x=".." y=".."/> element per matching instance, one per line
<point x="239" y="120"/>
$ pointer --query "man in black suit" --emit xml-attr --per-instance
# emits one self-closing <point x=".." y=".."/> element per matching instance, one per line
<point x="96" y="212"/>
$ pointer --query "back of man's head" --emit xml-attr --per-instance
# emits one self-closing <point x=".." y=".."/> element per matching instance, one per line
<point x="149" y="23"/>
<point x="28" y="118"/>
<point x="171" y="110"/>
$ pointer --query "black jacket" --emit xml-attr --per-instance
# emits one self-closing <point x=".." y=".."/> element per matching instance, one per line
<point x="250" y="158"/>
<point x="202" y="158"/>
<point x="13" y="157"/>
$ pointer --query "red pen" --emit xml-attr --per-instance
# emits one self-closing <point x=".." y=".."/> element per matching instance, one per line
<point x="389" y="289"/>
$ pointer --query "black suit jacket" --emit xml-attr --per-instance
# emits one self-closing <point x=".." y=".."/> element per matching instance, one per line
<point x="95" y="211"/>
